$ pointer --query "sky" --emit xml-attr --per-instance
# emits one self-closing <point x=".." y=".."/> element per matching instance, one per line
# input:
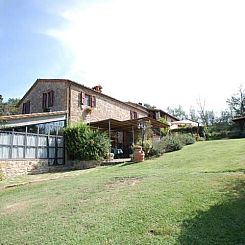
<point x="164" y="53"/>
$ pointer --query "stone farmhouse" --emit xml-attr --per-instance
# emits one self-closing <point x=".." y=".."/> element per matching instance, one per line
<point x="32" y="141"/>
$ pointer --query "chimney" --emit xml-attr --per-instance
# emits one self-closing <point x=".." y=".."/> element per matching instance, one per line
<point x="97" y="88"/>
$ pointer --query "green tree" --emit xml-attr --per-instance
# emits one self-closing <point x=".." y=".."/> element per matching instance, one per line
<point x="163" y="131"/>
<point x="9" y="107"/>
<point x="193" y="115"/>
<point x="177" y="112"/>
<point x="237" y="102"/>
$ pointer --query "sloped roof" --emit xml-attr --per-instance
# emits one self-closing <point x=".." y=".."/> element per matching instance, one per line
<point x="239" y="119"/>
<point x="151" y="109"/>
<point x="80" y="86"/>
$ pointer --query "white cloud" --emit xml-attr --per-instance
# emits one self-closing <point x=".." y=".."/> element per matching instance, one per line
<point x="166" y="53"/>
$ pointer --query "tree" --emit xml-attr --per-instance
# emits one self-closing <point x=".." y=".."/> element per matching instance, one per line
<point x="193" y="115"/>
<point x="9" y="107"/>
<point x="163" y="131"/>
<point x="207" y="117"/>
<point x="177" y="112"/>
<point x="237" y="102"/>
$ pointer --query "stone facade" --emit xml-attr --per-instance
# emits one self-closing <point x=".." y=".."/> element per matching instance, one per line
<point x="11" y="168"/>
<point x="106" y="107"/>
<point x="67" y="97"/>
<point x="35" y="95"/>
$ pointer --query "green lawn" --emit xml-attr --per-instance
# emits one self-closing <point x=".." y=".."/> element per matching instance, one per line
<point x="193" y="196"/>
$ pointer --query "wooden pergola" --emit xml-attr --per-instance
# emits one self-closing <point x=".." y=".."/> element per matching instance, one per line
<point x="128" y="126"/>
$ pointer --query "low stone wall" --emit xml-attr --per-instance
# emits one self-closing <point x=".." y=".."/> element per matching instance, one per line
<point x="11" y="168"/>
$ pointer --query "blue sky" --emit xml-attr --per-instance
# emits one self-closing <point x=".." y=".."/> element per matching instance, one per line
<point x="166" y="53"/>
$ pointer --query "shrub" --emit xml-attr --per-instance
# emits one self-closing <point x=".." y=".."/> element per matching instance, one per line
<point x="147" y="145"/>
<point x="84" y="143"/>
<point x="167" y="144"/>
<point x="172" y="143"/>
<point x="186" y="139"/>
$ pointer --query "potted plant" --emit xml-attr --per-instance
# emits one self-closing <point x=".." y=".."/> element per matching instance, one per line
<point x="88" y="110"/>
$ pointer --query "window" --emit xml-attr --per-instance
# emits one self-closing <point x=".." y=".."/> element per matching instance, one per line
<point x="48" y="99"/>
<point x="133" y="115"/>
<point x="26" y="108"/>
<point x="88" y="100"/>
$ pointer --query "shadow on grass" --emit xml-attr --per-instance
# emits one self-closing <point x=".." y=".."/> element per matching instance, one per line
<point x="242" y="170"/>
<point x="221" y="224"/>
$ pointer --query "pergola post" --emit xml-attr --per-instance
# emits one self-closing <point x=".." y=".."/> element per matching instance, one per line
<point x="133" y="133"/>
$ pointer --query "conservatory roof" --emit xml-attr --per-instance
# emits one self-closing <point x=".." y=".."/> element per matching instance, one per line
<point x="20" y="120"/>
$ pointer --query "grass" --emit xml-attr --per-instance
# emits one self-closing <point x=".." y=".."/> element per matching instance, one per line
<point x="193" y="196"/>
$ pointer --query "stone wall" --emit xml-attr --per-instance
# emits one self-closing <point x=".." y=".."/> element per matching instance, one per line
<point x="11" y="168"/>
<point x="36" y="96"/>
<point x="106" y="107"/>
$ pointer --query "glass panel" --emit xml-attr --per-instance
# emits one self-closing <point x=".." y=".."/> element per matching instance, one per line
<point x="5" y="138"/>
<point x="51" y="152"/>
<point x="4" y="152"/>
<point x="18" y="139"/>
<point x="60" y="152"/>
<point x="87" y="100"/>
<point x="20" y="129"/>
<point x="61" y="131"/>
<point x="43" y="129"/>
<point x="30" y="152"/>
<point x="60" y="142"/>
<point x="32" y="129"/>
<point x="42" y="153"/>
<point x="52" y="141"/>
<point x="53" y="129"/>
<point x="18" y="152"/>
<point x="42" y="140"/>
<point x="31" y="140"/>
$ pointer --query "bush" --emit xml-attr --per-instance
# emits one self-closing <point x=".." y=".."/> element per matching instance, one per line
<point x="186" y="139"/>
<point x="167" y="144"/>
<point x="190" y="130"/>
<point x="147" y="145"/>
<point x="84" y="143"/>
<point x="172" y="143"/>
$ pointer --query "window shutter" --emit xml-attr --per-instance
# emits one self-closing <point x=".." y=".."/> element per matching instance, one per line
<point x="44" y="100"/>
<point x="23" y="108"/>
<point x="82" y="98"/>
<point x="28" y="107"/>
<point x="93" y="100"/>
<point x="131" y="115"/>
<point x="50" y="98"/>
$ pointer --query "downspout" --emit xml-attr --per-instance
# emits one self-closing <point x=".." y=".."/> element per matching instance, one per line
<point x="68" y="115"/>
<point x="68" y="104"/>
